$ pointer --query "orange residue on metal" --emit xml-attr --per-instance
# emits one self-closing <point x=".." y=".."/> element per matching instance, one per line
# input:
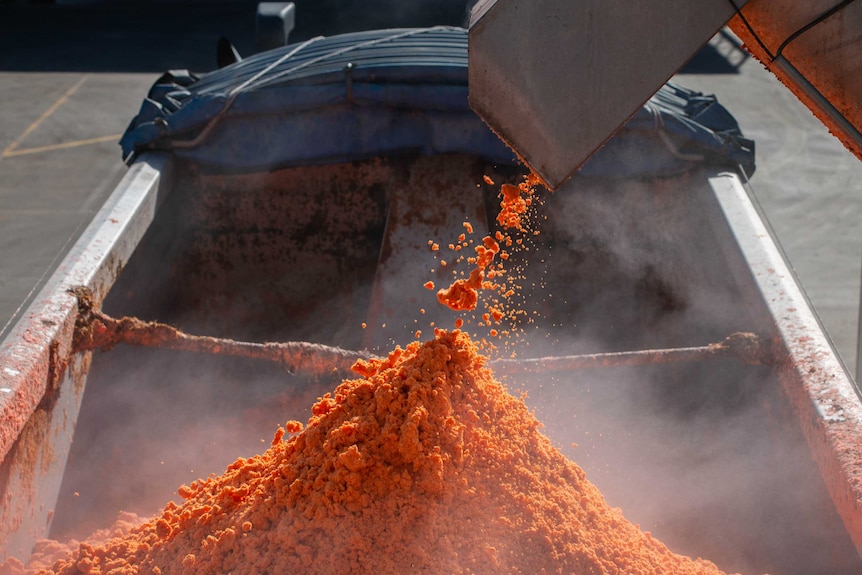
<point x="429" y="285"/>
<point x="469" y="227"/>
<point x="424" y="464"/>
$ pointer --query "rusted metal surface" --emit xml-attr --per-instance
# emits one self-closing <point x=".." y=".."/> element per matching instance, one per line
<point x="36" y="352"/>
<point x="243" y="252"/>
<point x="264" y="256"/>
<point x="744" y="346"/>
<point x="825" y="399"/>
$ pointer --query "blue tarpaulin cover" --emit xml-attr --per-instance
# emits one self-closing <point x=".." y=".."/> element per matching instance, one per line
<point x="384" y="92"/>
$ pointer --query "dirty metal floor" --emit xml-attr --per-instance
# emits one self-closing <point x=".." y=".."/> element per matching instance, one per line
<point x="71" y="78"/>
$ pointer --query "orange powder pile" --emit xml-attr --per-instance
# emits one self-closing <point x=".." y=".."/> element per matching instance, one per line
<point x="424" y="465"/>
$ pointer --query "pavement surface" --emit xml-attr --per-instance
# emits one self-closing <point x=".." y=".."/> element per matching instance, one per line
<point x="73" y="76"/>
<point x="809" y="188"/>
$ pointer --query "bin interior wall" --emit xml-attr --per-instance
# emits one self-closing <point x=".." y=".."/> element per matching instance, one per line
<point x="705" y="456"/>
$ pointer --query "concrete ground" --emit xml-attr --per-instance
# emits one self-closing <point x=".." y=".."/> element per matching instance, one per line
<point x="72" y="77"/>
<point x="59" y="162"/>
<point x="810" y="190"/>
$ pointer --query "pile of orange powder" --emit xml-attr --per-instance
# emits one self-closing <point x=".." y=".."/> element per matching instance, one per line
<point x="425" y="464"/>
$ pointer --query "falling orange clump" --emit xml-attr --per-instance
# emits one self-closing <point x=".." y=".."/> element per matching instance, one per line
<point x="516" y="201"/>
<point x="423" y="465"/>
<point x="463" y="294"/>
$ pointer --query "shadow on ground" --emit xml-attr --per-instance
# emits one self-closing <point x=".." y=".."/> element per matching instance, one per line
<point x="723" y="54"/>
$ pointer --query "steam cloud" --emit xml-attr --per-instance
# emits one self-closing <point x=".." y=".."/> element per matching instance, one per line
<point x="706" y="456"/>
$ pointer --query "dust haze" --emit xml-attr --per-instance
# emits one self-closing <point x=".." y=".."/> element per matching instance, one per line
<point x="706" y="456"/>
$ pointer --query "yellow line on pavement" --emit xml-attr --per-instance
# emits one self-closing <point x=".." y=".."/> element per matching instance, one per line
<point x="10" y="149"/>
<point x="8" y="154"/>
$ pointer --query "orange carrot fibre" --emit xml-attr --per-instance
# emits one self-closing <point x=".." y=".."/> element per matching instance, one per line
<point x="425" y="464"/>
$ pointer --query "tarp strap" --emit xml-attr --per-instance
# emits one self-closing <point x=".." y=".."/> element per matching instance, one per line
<point x="205" y="132"/>
<point x="346" y="49"/>
<point x="275" y="64"/>
<point x="252" y="83"/>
